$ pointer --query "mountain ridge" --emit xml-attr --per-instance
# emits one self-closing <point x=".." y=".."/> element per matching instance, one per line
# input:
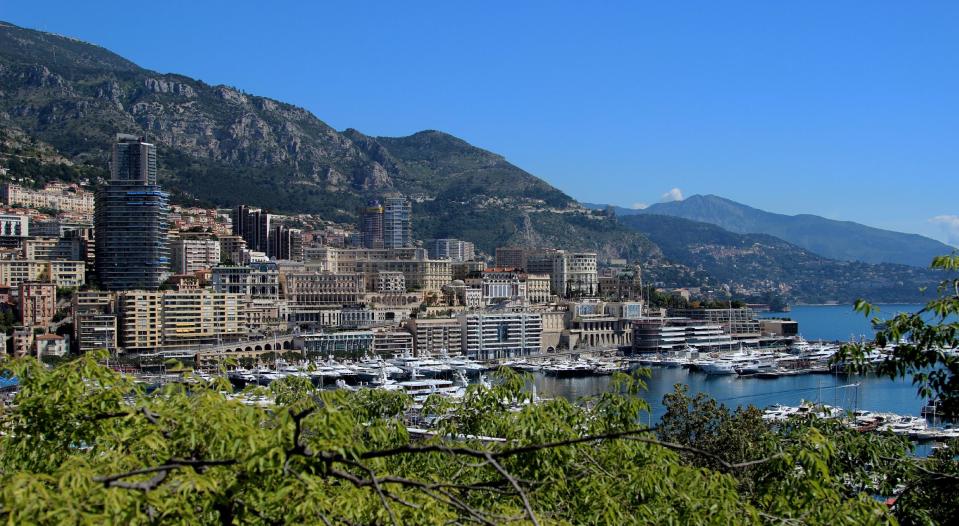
<point x="836" y="239"/>
<point x="221" y="146"/>
<point x="75" y="96"/>
<point x="761" y="262"/>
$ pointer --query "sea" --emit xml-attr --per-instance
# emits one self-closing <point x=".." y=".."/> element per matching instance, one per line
<point x="816" y="322"/>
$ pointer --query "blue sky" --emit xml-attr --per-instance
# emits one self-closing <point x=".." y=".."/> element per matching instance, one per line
<point x="849" y="110"/>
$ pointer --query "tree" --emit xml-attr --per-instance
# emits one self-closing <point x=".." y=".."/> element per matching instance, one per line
<point x="921" y="345"/>
<point x="85" y="444"/>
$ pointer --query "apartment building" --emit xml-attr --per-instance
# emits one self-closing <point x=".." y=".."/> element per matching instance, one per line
<point x="397" y="222"/>
<point x="432" y="336"/>
<point x="574" y="274"/>
<point x="391" y="342"/>
<point x="197" y="317"/>
<point x="94" y="320"/>
<point x="70" y="274"/>
<point x="57" y="196"/>
<point x="14" y="225"/>
<point x="538" y="288"/>
<point x="489" y="336"/>
<point x="140" y="319"/>
<point x="60" y="248"/>
<point x="455" y="250"/>
<point x="180" y="319"/>
<point x="37" y="303"/>
<point x="190" y="253"/>
<point x="233" y="249"/>
<point x="511" y="257"/>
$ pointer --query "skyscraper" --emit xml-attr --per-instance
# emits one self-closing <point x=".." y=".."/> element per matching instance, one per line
<point x="286" y="243"/>
<point x="371" y="224"/>
<point x="130" y="220"/>
<point x="253" y="225"/>
<point x="397" y="222"/>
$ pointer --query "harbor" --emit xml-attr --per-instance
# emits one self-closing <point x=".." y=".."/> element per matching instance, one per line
<point x="795" y="380"/>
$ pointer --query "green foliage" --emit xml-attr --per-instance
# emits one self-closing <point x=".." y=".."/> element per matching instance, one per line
<point x="86" y="445"/>
<point x="8" y="321"/>
<point x="922" y="345"/>
<point x="284" y="159"/>
<point x="931" y="496"/>
<point x="808" y="459"/>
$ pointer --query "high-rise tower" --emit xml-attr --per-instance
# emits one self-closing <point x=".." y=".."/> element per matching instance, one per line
<point x="253" y="225"/>
<point x="371" y="224"/>
<point x="397" y="222"/>
<point x="130" y="220"/>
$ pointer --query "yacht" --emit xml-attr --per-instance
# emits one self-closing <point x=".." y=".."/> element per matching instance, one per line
<point x="758" y="367"/>
<point x="717" y="367"/>
<point x="905" y="425"/>
<point x="422" y="388"/>
<point x="568" y="369"/>
<point x="243" y="375"/>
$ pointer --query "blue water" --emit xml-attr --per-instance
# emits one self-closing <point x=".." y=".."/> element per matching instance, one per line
<point x="826" y="322"/>
<point x="847" y="391"/>
<point x="837" y="322"/>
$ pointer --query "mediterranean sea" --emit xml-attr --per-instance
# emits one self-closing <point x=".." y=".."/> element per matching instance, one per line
<point x="826" y="322"/>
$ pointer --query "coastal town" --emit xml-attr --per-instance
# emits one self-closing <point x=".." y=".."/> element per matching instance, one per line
<point x="174" y="293"/>
<point x="126" y="271"/>
<point x="451" y="264"/>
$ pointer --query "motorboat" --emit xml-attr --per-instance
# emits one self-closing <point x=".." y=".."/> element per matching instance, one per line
<point x="758" y="367"/>
<point x="717" y="367"/>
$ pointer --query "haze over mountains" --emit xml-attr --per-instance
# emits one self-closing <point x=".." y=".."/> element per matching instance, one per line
<point x="760" y="262"/>
<point x="63" y="100"/>
<point x="843" y="240"/>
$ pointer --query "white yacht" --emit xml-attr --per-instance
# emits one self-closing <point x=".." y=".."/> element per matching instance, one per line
<point x="717" y="367"/>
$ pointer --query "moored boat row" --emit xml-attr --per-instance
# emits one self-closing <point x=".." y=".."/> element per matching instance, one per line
<point x="914" y="427"/>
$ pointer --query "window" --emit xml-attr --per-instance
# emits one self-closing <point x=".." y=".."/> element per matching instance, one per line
<point x="502" y="332"/>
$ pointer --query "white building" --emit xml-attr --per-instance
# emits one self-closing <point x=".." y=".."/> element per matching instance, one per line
<point x="191" y="254"/>
<point x="387" y="282"/>
<point x="12" y="225"/>
<point x="455" y="250"/>
<point x="574" y="274"/>
<point x="259" y="281"/>
<point x="70" y="274"/>
<point x="501" y="335"/>
<point x="502" y="287"/>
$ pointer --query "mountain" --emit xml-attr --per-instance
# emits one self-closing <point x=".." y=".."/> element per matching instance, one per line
<point x="754" y="263"/>
<point x="843" y="240"/>
<point x="221" y="146"/>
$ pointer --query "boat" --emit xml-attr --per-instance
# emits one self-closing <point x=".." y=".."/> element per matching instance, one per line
<point x="804" y="409"/>
<point x="717" y="367"/>
<point x="757" y="367"/>
<point x="568" y="369"/>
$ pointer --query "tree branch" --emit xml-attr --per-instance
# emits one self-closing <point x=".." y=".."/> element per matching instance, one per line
<point x="522" y="494"/>
<point x="172" y="464"/>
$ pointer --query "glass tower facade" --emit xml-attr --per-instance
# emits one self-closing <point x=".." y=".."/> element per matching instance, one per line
<point x="397" y="222"/>
<point x="371" y="224"/>
<point x="131" y="220"/>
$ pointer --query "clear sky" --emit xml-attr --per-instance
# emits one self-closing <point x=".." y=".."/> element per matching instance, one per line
<point x="849" y="110"/>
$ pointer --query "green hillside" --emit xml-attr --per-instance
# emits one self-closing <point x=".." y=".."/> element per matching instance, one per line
<point x="221" y="146"/>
